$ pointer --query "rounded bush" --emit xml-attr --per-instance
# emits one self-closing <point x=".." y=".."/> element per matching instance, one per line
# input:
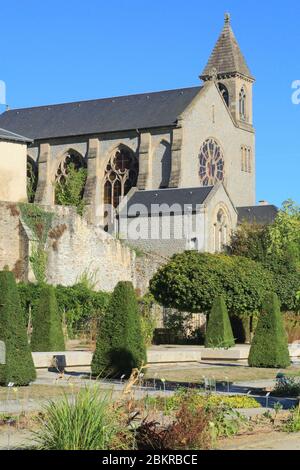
<point x="191" y="281"/>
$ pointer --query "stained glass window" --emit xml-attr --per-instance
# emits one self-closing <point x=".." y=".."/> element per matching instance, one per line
<point x="211" y="160"/>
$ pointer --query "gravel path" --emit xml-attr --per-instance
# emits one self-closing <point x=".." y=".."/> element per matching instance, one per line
<point x="270" y="441"/>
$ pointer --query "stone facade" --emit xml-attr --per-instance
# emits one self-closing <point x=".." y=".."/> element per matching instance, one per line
<point x="167" y="157"/>
<point x="208" y="116"/>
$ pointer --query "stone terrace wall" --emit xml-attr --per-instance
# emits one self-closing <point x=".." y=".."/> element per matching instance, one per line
<point x="145" y="267"/>
<point x="76" y="247"/>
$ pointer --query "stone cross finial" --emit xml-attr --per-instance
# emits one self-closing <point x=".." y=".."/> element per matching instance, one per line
<point x="214" y="73"/>
<point x="227" y="18"/>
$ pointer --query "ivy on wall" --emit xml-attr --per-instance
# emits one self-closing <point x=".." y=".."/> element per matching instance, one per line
<point x="31" y="182"/>
<point x="69" y="192"/>
<point x="39" y="222"/>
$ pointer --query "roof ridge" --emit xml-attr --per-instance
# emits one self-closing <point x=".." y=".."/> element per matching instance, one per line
<point x="102" y="99"/>
<point x="256" y="206"/>
<point x="170" y="189"/>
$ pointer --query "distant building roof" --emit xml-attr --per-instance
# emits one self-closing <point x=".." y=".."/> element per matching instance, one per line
<point x="169" y="197"/>
<point x="227" y="57"/>
<point x="122" y="113"/>
<point x="257" y="214"/>
<point x="12" y="137"/>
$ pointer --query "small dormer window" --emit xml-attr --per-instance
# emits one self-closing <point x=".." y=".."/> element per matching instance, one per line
<point x="224" y="93"/>
<point x="242" y="104"/>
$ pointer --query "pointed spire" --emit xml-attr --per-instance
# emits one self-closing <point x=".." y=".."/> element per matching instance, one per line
<point x="227" y="57"/>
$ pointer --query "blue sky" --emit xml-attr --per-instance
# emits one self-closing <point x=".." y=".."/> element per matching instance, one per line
<point x="56" y="51"/>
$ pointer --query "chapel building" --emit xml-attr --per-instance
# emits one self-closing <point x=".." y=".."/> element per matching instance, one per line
<point x="180" y="155"/>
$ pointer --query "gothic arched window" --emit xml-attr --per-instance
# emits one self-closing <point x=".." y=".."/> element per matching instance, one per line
<point x="120" y="175"/>
<point x="70" y="172"/>
<point x="220" y="231"/>
<point x="212" y="166"/>
<point x="32" y="178"/>
<point x="242" y="104"/>
<point x="224" y="91"/>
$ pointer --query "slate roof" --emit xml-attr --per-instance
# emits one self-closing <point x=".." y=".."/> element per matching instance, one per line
<point x="257" y="214"/>
<point x="12" y="137"/>
<point x="179" y="196"/>
<point x="227" y="56"/>
<point x="122" y="113"/>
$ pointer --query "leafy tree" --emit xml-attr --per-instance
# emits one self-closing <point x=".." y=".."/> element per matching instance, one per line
<point x="285" y="234"/>
<point x="70" y="191"/>
<point x="120" y="344"/>
<point x="47" y="326"/>
<point x="219" y="333"/>
<point x="277" y="247"/>
<point x="19" y="367"/>
<point x="251" y="240"/>
<point x="191" y="281"/>
<point x="269" y="347"/>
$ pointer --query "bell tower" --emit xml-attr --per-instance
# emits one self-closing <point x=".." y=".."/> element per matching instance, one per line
<point x="228" y="68"/>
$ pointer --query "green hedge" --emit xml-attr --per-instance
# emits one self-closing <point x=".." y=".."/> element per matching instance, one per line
<point x="269" y="346"/>
<point x="47" y="323"/>
<point x="79" y="303"/>
<point x="19" y="367"/>
<point x="120" y="342"/>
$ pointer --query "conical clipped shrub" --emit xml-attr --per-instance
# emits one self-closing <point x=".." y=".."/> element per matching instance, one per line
<point x="270" y="346"/>
<point x="219" y="332"/>
<point x="47" y="332"/>
<point x="120" y="343"/>
<point x="19" y="367"/>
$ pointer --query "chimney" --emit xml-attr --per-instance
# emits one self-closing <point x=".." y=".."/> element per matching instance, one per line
<point x="263" y="203"/>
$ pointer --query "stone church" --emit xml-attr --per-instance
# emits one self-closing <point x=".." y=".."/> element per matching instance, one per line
<point x="157" y="159"/>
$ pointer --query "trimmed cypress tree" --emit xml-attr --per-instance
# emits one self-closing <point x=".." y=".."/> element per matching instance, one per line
<point x="47" y="332"/>
<point x="19" y="367"/>
<point x="270" y="346"/>
<point x="219" y="332"/>
<point x="120" y="343"/>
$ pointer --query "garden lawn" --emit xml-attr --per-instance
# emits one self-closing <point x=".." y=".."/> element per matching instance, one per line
<point x="36" y="391"/>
